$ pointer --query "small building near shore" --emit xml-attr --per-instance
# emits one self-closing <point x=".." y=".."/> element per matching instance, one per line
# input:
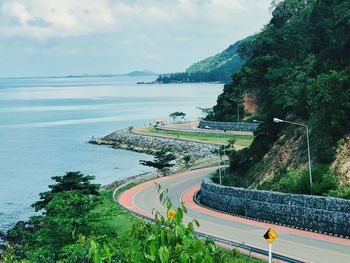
<point x="159" y="122"/>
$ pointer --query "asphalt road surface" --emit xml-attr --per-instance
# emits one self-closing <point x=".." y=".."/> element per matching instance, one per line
<point x="297" y="244"/>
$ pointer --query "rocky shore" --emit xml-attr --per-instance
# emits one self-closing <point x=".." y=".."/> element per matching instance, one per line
<point x="122" y="139"/>
<point x="130" y="180"/>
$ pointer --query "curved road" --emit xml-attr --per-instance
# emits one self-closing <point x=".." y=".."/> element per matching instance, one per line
<point x="297" y="244"/>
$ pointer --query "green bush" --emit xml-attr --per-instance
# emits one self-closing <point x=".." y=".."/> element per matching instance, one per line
<point x="324" y="182"/>
<point x="293" y="182"/>
<point x="343" y="191"/>
<point x="323" y="179"/>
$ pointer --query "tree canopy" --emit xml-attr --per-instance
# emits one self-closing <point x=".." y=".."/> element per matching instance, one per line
<point x="162" y="161"/>
<point x="176" y="114"/>
<point x="298" y="67"/>
<point x="71" y="181"/>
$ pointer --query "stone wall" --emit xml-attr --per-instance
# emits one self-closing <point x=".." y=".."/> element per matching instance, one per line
<point x="228" y="126"/>
<point x="324" y="214"/>
<point x="123" y="139"/>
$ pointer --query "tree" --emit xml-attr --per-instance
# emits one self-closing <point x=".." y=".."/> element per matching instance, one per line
<point x="130" y="128"/>
<point x="68" y="212"/>
<point x="187" y="161"/>
<point x="71" y="181"/>
<point x="176" y="114"/>
<point x="208" y="113"/>
<point x="162" y="161"/>
<point x="67" y="215"/>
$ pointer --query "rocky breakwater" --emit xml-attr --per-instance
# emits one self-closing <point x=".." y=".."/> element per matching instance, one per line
<point x="122" y="139"/>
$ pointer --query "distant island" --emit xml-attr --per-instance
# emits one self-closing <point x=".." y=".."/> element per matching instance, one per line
<point x="136" y="73"/>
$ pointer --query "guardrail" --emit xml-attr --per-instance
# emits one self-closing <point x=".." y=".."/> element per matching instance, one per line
<point x="233" y="244"/>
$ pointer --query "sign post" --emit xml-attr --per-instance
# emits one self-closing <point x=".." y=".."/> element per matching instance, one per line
<point x="270" y="236"/>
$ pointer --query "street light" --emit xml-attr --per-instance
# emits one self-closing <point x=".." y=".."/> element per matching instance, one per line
<point x="308" y="144"/>
<point x="217" y="134"/>
<point x="258" y="121"/>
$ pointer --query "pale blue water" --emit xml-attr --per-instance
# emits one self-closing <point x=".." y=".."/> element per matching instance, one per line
<point x="45" y="125"/>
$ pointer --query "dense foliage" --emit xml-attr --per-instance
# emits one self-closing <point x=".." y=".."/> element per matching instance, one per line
<point x="71" y="181"/>
<point x="299" y="69"/>
<point x="163" y="161"/>
<point x="80" y="227"/>
<point x="216" y="68"/>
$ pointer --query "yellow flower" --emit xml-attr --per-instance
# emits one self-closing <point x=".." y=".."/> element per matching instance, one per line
<point x="171" y="214"/>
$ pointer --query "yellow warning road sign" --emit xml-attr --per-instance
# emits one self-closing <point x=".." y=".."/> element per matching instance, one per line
<point x="270" y="235"/>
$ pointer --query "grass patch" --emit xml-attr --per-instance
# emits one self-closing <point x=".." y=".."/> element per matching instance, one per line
<point x="241" y="140"/>
<point x="118" y="222"/>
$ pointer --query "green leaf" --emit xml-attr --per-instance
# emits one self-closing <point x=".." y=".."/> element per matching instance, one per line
<point x="151" y="258"/>
<point x="169" y="204"/>
<point x="190" y="227"/>
<point x="184" y="207"/>
<point x="107" y="253"/>
<point x="162" y="236"/>
<point x="151" y="237"/>
<point x="184" y="257"/>
<point x="163" y="253"/>
<point x="96" y="258"/>
<point x="196" y="222"/>
<point x="153" y="248"/>
<point x="179" y="216"/>
<point x="92" y="249"/>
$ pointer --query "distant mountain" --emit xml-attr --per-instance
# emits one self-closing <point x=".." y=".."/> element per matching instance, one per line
<point x="141" y="73"/>
<point x="135" y="73"/>
<point x="217" y="68"/>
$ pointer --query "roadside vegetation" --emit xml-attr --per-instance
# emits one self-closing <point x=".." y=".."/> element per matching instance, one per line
<point x="80" y="223"/>
<point x="163" y="161"/>
<point x="298" y="67"/>
<point x="241" y="141"/>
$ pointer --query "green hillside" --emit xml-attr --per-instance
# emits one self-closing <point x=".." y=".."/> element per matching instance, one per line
<point x="216" y="68"/>
<point x="299" y="69"/>
<point x="227" y="60"/>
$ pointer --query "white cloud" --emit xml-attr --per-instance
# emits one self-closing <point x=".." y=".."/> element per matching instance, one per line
<point x="50" y="37"/>
<point x="49" y="18"/>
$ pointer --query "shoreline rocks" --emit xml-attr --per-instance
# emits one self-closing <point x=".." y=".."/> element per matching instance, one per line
<point x="132" y="179"/>
<point x="122" y="139"/>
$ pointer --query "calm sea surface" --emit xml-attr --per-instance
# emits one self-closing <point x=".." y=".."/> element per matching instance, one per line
<point x="45" y="125"/>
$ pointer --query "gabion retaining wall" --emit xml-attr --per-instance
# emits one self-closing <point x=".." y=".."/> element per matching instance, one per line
<point x="228" y="126"/>
<point x="325" y="214"/>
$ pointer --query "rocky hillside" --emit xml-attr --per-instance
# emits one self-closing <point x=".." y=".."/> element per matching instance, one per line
<point x="341" y="164"/>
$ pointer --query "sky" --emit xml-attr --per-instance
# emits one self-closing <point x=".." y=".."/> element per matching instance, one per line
<point x="64" y="37"/>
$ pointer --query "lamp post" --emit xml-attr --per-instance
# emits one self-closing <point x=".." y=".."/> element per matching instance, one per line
<point x="217" y="134"/>
<point x="258" y="121"/>
<point x="220" y="164"/>
<point x="308" y="144"/>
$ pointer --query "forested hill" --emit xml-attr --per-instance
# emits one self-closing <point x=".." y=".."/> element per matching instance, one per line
<point x="299" y="69"/>
<point x="219" y="67"/>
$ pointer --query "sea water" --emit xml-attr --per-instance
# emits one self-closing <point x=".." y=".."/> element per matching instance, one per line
<point x="45" y="124"/>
